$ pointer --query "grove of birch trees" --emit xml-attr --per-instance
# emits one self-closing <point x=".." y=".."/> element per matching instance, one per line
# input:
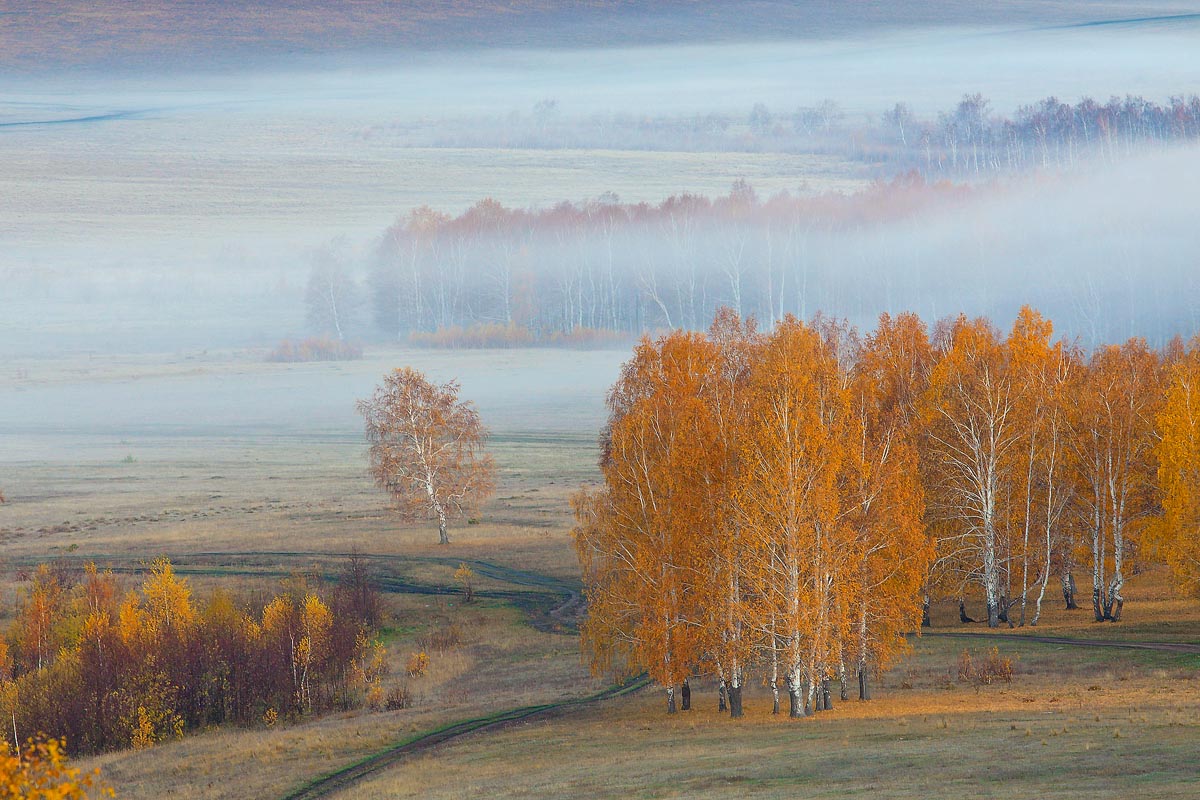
<point x="789" y="502"/>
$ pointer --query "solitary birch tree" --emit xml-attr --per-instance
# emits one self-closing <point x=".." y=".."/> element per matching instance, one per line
<point x="427" y="448"/>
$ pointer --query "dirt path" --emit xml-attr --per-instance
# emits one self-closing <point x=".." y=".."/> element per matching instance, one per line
<point x="1165" y="647"/>
<point x="346" y="776"/>
<point x="551" y="605"/>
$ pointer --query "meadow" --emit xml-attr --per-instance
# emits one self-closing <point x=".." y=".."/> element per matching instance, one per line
<point x="245" y="473"/>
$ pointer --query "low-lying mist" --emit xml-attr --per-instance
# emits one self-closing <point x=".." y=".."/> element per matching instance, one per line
<point x="183" y="209"/>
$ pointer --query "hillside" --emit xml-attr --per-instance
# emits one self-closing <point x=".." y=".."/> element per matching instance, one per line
<point x="211" y="34"/>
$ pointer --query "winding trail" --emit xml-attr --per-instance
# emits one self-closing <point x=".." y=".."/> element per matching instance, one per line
<point x="550" y="604"/>
<point x="348" y="775"/>
<point x="1163" y="647"/>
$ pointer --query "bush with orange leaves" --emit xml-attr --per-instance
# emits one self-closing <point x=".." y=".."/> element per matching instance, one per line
<point x="108" y="669"/>
<point x="41" y="772"/>
<point x="418" y="664"/>
<point x="990" y="668"/>
<point x="315" y="349"/>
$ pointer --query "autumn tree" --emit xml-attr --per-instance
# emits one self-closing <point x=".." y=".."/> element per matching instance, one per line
<point x="1044" y="375"/>
<point x="1178" y="455"/>
<point x="40" y="770"/>
<point x="790" y="500"/>
<point x="427" y="448"/>
<point x="891" y="552"/>
<point x="638" y="538"/>
<point x="897" y="359"/>
<point x="332" y="296"/>
<point x="1115" y="413"/>
<point x="724" y="551"/>
<point x="972" y="426"/>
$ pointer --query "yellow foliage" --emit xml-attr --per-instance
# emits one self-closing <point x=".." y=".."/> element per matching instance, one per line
<point x="168" y="598"/>
<point x="418" y="664"/>
<point x="1178" y="454"/>
<point x="6" y="665"/>
<point x="277" y="615"/>
<point x="464" y="576"/>
<point x="143" y="731"/>
<point x="42" y="773"/>
<point x="131" y="619"/>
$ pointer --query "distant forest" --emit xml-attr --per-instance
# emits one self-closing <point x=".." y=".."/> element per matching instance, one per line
<point x="500" y="276"/>
<point x="968" y="141"/>
<point x="603" y="265"/>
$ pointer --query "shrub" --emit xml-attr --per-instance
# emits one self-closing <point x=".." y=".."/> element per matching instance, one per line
<point x="398" y="698"/>
<point x="990" y="669"/>
<point x="106" y="669"/>
<point x="441" y="640"/>
<point x="479" y="335"/>
<point x="418" y="664"/>
<point x="41" y="771"/>
<point x="315" y="349"/>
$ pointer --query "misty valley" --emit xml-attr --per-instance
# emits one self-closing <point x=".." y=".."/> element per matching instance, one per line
<point x="542" y="399"/>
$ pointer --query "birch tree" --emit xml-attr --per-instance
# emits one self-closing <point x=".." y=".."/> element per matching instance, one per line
<point x="427" y="448"/>
<point x="793" y="456"/>
<point x="1115" y="414"/>
<point x="972" y="427"/>
<point x="1178" y="455"/>
<point x="891" y="549"/>
<point x="730" y="643"/>
<point x="332" y="295"/>
<point x="1043" y="373"/>
<point x="637" y="541"/>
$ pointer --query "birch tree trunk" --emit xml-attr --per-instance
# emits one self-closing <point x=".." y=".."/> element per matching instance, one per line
<point x="735" y="693"/>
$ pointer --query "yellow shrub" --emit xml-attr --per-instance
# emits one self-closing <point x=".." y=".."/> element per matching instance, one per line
<point x="418" y="663"/>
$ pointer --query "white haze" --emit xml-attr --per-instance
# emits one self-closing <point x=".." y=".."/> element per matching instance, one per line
<point x="182" y="215"/>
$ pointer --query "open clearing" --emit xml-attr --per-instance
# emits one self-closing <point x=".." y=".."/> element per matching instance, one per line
<point x="245" y="472"/>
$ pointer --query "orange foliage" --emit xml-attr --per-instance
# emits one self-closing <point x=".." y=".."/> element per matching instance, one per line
<point x="786" y="501"/>
<point x="41" y="772"/>
<point x="1178" y="454"/>
<point x="754" y="507"/>
<point x="137" y="671"/>
<point x="322" y="348"/>
<point x="427" y="447"/>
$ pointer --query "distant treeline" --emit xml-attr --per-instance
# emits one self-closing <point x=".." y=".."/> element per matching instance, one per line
<point x="512" y="277"/>
<point x="968" y="140"/>
<point x="600" y="264"/>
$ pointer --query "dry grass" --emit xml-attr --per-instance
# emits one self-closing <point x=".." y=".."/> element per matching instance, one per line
<point x="1153" y="612"/>
<point x="1041" y="737"/>
<point x="154" y="178"/>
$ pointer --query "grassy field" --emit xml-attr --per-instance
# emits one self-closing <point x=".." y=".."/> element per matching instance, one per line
<point x="128" y="458"/>
<point x="1070" y="725"/>
<point x="167" y="179"/>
